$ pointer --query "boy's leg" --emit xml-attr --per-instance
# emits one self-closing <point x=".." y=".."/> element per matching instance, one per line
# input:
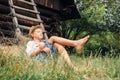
<point x="62" y="51"/>
<point x="66" y="42"/>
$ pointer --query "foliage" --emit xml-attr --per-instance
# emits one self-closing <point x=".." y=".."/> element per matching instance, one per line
<point x="100" y="19"/>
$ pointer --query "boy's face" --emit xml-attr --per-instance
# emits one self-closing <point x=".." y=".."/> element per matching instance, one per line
<point x="37" y="34"/>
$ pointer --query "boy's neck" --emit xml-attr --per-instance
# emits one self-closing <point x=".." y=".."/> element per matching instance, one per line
<point x="37" y="40"/>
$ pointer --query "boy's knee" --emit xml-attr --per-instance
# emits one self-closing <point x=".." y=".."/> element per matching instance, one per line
<point x="52" y="37"/>
<point x="59" y="47"/>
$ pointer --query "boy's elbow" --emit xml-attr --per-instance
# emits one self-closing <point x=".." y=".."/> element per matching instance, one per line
<point x="32" y="54"/>
<point x="29" y="54"/>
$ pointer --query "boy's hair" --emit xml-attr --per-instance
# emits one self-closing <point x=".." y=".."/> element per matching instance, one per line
<point x="32" y="29"/>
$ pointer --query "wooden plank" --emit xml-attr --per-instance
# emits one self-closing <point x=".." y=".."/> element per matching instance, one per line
<point x="24" y="9"/>
<point x="15" y="21"/>
<point x="27" y="27"/>
<point x="38" y="16"/>
<point x="53" y="4"/>
<point x="47" y="12"/>
<point x="22" y="4"/>
<point x="20" y="21"/>
<point x="4" y="2"/>
<point x="8" y="20"/>
<point x="7" y="25"/>
<point x="47" y="26"/>
<point x="25" y="13"/>
<point x="27" y="2"/>
<point x="27" y="22"/>
<point x="4" y="32"/>
<point x="5" y="18"/>
<point x="24" y="27"/>
<point x="25" y="17"/>
<point x="4" y="9"/>
<point x="47" y="20"/>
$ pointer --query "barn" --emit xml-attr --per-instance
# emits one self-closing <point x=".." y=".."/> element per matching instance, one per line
<point x="20" y="15"/>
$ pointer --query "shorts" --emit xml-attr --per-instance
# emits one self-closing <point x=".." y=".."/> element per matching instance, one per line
<point x="43" y="56"/>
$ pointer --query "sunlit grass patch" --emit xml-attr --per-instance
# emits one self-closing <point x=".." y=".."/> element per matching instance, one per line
<point x="14" y="65"/>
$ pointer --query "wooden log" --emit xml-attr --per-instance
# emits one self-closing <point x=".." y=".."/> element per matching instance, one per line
<point x="47" y="26"/>
<point x="4" y="2"/>
<point x="26" y="17"/>
<point x="45" y="18"/>
<point x="27" y="2"/>
<point x="7" y="25"/>
<point x="54" y="4"/>
<point x="24" y="27"/>
<point x="47" y="11"/>
<point x="4" y="9"/>
<point x="33" y="15"/>
<point x="41" y="8"/>
<point x="4" y="32"/>
<point x="28" y="27"/>
<point x="58" y="5"/>
<point x="21" y="21"/>
<point x="5" y="18"/>
<point x="22" y="4"/>
<point x="27" y="22"/>
<point x="24" y="9"/>
<point x="44" y="12"/>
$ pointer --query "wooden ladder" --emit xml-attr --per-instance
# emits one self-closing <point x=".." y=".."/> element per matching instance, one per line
<point x="16" y="16"/>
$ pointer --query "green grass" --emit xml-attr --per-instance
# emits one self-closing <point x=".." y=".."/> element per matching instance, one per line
<point x="15" y="65"/>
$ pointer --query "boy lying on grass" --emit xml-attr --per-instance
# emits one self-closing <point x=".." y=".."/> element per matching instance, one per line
<point x="40" y="50"/>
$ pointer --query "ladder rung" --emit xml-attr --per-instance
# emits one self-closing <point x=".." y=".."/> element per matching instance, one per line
<point x="25" y="17"/>
<point x="24" y="27"/>
<point x="30" y="3"/>
<point x="17" y="7"/>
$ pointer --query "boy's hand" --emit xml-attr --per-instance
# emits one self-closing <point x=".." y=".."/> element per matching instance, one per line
<point x="41" y="45"/>
<point x="46" y="50"/>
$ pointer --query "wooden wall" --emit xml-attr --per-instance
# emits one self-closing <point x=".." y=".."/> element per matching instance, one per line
<point x="51" y="12"/>
<point x="50" y="3"/>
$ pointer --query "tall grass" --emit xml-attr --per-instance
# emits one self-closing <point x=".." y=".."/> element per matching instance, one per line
<point x="15" y="65"/>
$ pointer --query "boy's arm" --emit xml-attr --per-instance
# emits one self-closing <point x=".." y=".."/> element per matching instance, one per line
<point x="46" y="50"/>
<point x="34" y="53"/>
<point x="33" y="50"/>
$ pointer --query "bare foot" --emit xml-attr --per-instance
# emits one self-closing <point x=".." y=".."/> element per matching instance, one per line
<point x="81" y="42"/>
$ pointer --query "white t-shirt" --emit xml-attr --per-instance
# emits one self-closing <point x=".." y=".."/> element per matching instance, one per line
<point x="31" y="46"/>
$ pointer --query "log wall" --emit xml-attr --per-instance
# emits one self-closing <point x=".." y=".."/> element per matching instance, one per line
<point x="51" y="11"/>
<point x="56" y="4"/>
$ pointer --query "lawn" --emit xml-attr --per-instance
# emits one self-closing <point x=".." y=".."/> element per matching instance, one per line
<point x="15" y="65"/>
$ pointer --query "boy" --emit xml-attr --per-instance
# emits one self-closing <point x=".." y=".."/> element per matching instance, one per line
<point x="41" y="49"/>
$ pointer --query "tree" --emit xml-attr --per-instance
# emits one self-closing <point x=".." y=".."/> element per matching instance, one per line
<point x="97" y="21"/>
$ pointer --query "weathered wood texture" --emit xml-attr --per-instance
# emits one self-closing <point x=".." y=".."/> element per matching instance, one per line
<point x="56" y="4"/>
<point x="6" y="18"/>
<point x="6" y="33"/>
<point x="4" y="9"/>
<point x="51" y="11"/>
